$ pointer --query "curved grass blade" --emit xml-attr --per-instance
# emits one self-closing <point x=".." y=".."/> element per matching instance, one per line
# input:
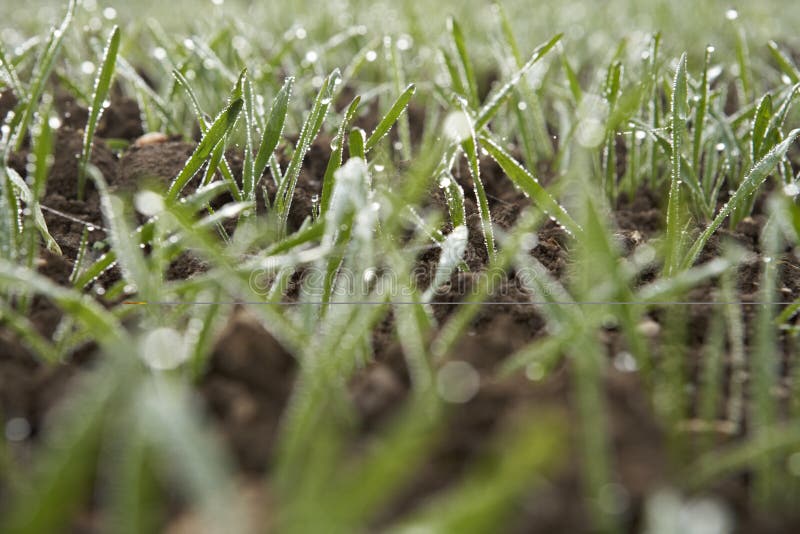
<point x="749" y="185"/>
<point x="470" y="146"/>
<point x="216" y="133"/>
<point x="390" y="118"/>
<point x="102" y="84"/>
<point x="530" y="185"/>
<point x="274" y="128"/>
<point x="493" y="103"/>
<point x="32" y="204"/>
<point x="761" y="123"/>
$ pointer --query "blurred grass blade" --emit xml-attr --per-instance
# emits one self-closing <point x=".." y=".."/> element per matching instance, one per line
<point x="390" y="118"/>
<point x="785" y="63"/>
<point x="102" y="85"/>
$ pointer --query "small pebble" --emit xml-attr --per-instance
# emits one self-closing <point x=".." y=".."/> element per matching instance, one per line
<point x="152" y="138"/>
<point x="649" y="328"/>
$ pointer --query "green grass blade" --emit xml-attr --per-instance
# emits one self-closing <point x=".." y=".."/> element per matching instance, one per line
<point x="390" y="118"/>
<point x="42" y="70"/>
<point x="216" y="133"/>
<point x="335" y="160"/>
<point x="102" y="85"/>
<point x="701" y="111"/>
<point x="530" y="185"/>
<point x="309" y="131"/>
<point x="785" y="63"/>
<point x="356" y="143"/>
<point x="679" y="107"/>
<point x="274" y="128"/>
<point x="749" y="185"/>
<point x="493" y="102"/>
<point x="758" y="135"/>
<point x="457" y="35"/>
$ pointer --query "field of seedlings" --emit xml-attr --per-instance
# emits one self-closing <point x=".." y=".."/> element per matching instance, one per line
<point x="397" y="267"/>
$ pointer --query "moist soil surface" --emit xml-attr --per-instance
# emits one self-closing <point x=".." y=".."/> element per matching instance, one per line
<point x="250" y="376"/>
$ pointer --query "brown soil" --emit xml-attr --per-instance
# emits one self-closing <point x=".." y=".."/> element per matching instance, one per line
<point x="250" y="376"/>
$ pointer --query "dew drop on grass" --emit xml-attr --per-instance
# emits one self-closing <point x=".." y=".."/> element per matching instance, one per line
<point x="522" y="106"/>
<point x="379" y="168"/>
<point x="534" y="371"/>
<point x="371" y="56"/>
<point x="87" y="67"/>
<point x="710" y="49"/>
<point x="54" y="123"/>
<point x="785" y="79"/>
<point x="731" y="14"/>
<point x="625" y="362"/>
<point x="457" y="126"/>
<point x="300" y="33"/>
<point x="444" y="182"/>
<point x="217" y="2"/>
<point x="791" y="189"/>
<point x="163" y="349"/>
<point x="719" y="147"/>
<point x="311" y="56"/>
<point x="640" y="135"/>
<point x="457" y="382"/>
<point x="110" y="13"/>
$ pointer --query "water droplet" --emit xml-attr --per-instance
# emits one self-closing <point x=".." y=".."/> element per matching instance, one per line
<point x="404" y="42"/>
<point x="110" y="13"/>
<point x="54" y="123"/>
<point x="625" y="362"/>
<point x="87" y="67"/>
<point x="640" y="135"/>
<point x="188" y="43"/>
<point x="129" y="288"/>
<point x="710" y="49"/>
<point x="731" y="14"/>
<point x="371" y="56"/>
<point x="90" y="228"/>
<point x="785" y="79"/>
<point x="300" y="33"/>
<point x="159" y="53"/>
<point x="379" y="168"/>
<point x="217" y="2"/>
<point x="444" y="182"/>
<point x="791" y="189"/>
<point x="522" y="106"/>
<point x="311" y="56"/>
<point x="457" y="382"/>
<point x="719" y="147"/>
